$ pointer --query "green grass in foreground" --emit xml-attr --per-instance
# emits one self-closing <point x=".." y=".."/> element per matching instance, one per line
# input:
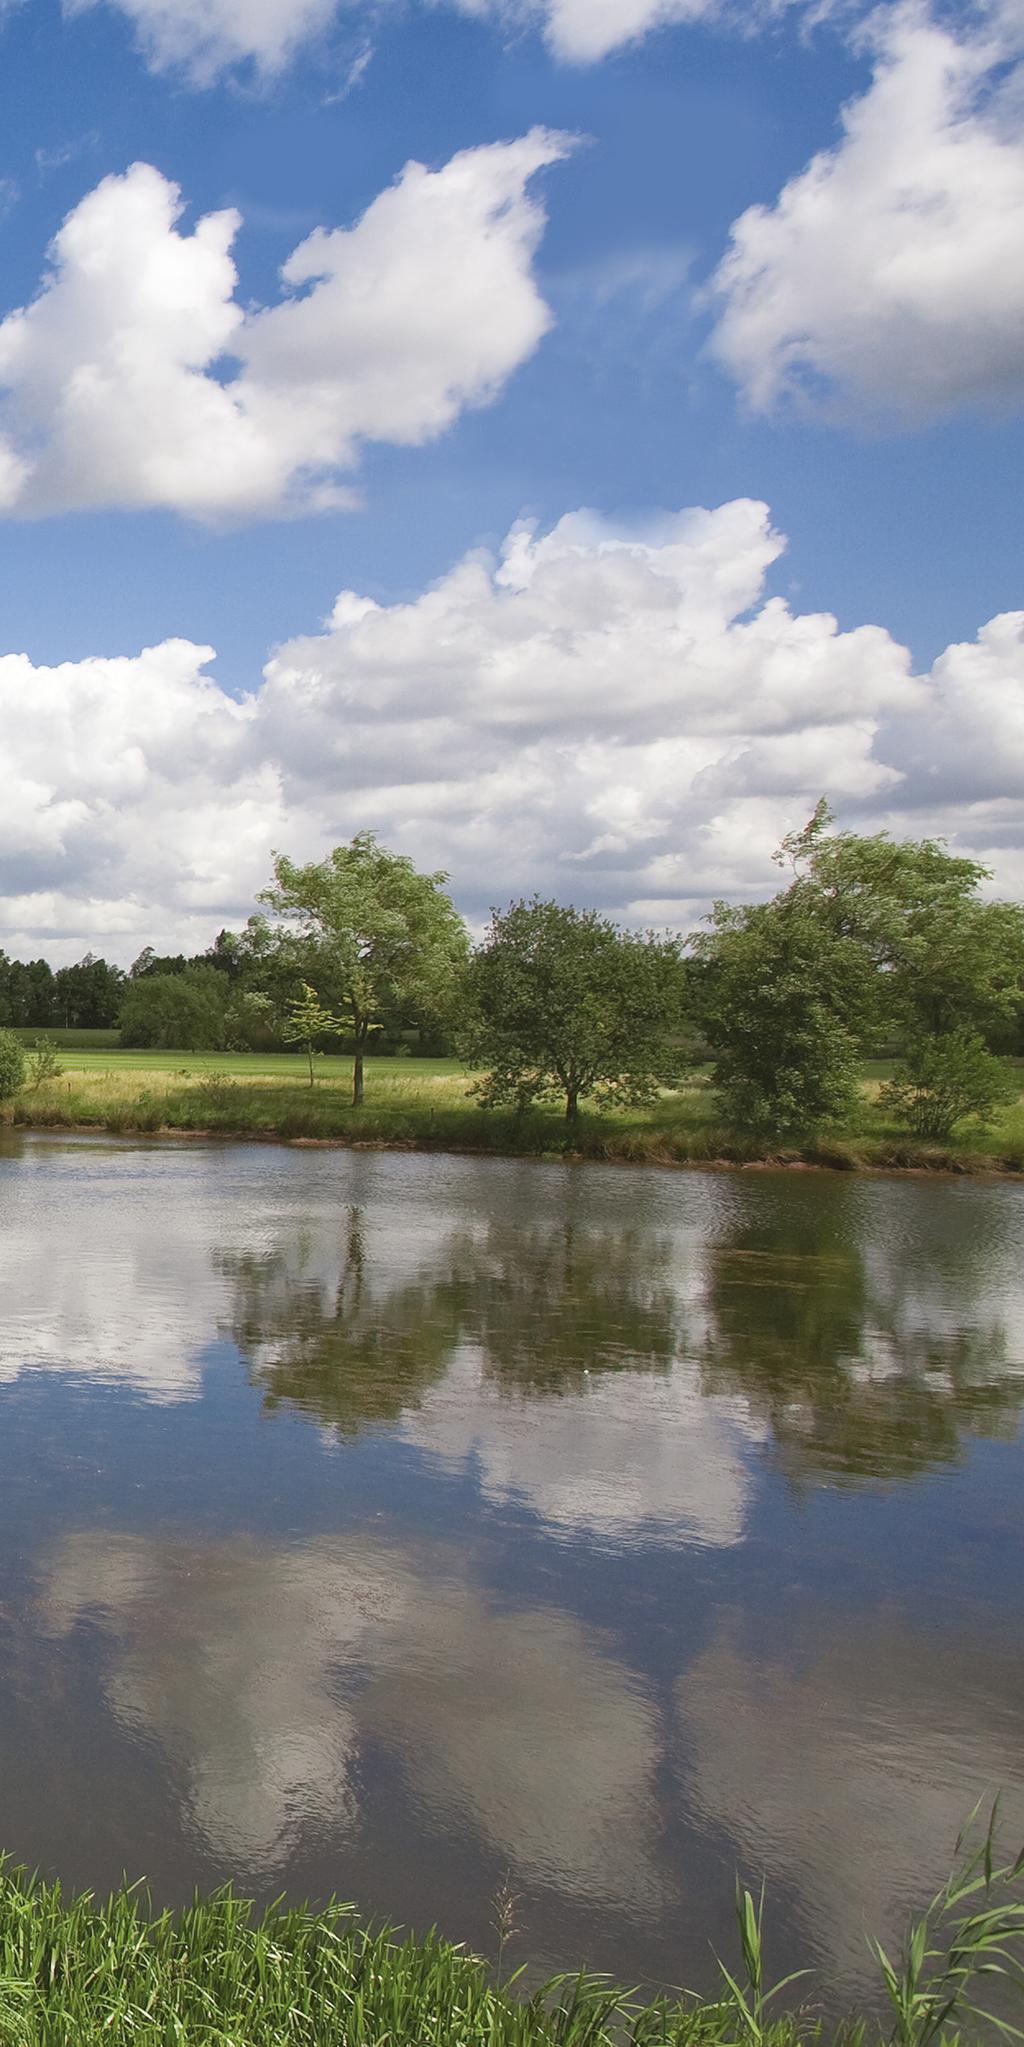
<point x="427" y="1104"/>
<point x="75" y="1973"/>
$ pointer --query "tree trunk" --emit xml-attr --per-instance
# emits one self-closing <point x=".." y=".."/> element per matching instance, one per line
<point x="572" y="1106"/>
<point x="357" y="1068"/>
<point x="309" y="1049"/>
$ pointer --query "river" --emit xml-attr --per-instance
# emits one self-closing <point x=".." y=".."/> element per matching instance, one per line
<point x="405" y="1527"/>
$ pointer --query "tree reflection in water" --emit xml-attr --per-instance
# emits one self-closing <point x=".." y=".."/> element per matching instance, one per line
<point x="325" y="1330"/>
<point x="844" y="1350"/>
<point x="321" y="1333"/>
<point x="858" y="1356"/>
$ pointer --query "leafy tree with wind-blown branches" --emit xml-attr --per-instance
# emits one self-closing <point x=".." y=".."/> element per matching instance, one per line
<point x="370" y="934"/>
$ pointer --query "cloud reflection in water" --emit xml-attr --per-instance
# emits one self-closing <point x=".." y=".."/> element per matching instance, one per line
<point x="260" y="1671"/>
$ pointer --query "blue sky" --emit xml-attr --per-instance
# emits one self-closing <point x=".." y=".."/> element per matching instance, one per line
<point x="890" y="456"/>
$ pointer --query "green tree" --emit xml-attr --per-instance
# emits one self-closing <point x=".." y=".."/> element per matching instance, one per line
<point x="562" y="1003"/>
<point x="227" y="954"/>
<point x="374" y="936"/>
<point x="307" y="1020"/>
<point x="946" y="959"/>
<point x="944" y="1079"/>
<point x="150" y="963"/>
<point x="251" y="1022"/>
<point x="871" y="937"/>
<point x="12" y="1065"/>
<point x="782" y="999"/>
<point x="184" y="1012"/>
<point x="262" y="970"/>
<point x="87" y="996"/>
<point x="26" y="992"/>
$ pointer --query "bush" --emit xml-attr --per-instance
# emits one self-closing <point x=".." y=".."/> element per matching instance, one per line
<point x="781" y="999"/>
<point x="12" y="1065"/>
<point x="944" y="1079"/>
<point x="787" y="1091"/>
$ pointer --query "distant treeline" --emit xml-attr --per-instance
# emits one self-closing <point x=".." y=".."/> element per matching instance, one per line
<point x="190" y="1001"/>
<point x="90" y="995"/>
<point x="85" y="997"/>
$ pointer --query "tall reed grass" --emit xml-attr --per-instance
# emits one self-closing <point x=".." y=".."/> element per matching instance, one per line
<point x="77" y="1973"/>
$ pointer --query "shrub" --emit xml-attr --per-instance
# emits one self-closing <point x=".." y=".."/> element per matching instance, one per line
<point x="811" y="1079"/>
<point x="12" y="1065"/>
<point x="944" y="1079"/>
<point x="780" y="997"/>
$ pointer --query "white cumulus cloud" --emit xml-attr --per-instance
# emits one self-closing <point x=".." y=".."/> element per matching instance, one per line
<point x="620" y="715"/>
<point x="584" y="31"/>
<point x="579" y="715"/>
<point x="887" y="275"/>
<point x="207" y="37"/>
<point x="136" y="378"/>
<point x="203" y="39"/>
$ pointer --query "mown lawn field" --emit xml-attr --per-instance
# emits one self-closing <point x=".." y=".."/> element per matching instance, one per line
<point x="278" y="1066"/>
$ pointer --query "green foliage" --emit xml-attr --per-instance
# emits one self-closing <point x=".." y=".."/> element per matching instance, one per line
<point x="427" y="1104"/>
<point x="562" y="1003"/>
<point x="150" y="963"/>
<point x="749" y="2000"/>
<point x="870" y="937"/>
<point x="872" y="943"/>
<point x="781" y="996"/>
<point x="117" y="1974"/>
<point x="87" y="996"/>
<point x="973" y="1928"/>
<point x="26" y="993"/>
<point x="221" y="1974"/>
<point x="943" y="958"/>
<point x="12" y="1065"/>
<point x="250" y="1022"/>
<point x="43" y="1063"/>
<point x="306" y="1021"/>
<point x="370" y="934"/>
<point x="943" y="1080"/>
<point x="186" y="1011"/>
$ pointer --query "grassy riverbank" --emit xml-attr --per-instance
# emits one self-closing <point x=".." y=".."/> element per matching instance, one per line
<point x="428" y="1105"/>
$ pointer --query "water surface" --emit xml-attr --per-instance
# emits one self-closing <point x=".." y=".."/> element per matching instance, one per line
<point x="395" y="1526"/>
